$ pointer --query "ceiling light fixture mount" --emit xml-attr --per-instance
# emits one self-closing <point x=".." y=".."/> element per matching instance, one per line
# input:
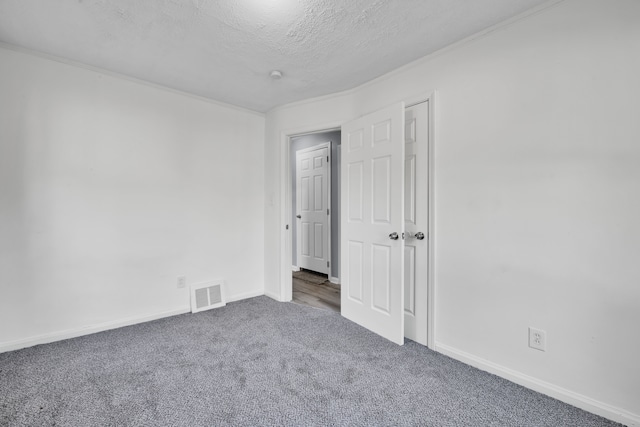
<point x="276" y="75"/>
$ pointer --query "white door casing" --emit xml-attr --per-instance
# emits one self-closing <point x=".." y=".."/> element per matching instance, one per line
<point x="372" y="202"/>
<point x="312" y="208"/>
<point x="416" y="220"/>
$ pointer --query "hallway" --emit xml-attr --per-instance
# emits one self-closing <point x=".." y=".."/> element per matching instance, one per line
<point x="314" y="289"/>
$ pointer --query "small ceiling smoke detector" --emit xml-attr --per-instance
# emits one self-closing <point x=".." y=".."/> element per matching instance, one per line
<point x="276" y="75"/>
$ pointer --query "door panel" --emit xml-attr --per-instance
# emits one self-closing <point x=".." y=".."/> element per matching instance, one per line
<point x="410" y="189"/>
<point x="415" y="220"/>
<point x="304" y="192"/>
<point x="319" y="204"/>
<point x="312" y="187"/>
<point x="355" y="192"/>
<point x="304" y="246"/>
<point x="356" y="271"/>
<point x="318" y="238"/>
<point x="409" y="281"/>
<point x="382" y="190"/>
<point x="372" y="265"/>
<point x="381" y="280"/>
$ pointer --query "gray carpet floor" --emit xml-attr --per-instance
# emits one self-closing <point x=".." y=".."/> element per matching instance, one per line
<point x="259" y="362"/>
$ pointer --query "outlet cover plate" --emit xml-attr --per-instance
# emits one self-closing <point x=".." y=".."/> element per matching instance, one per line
<point x="182" y="282"/>
<point x="538" y="339"/>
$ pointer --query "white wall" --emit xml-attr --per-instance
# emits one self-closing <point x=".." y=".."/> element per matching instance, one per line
<point x="537" y="203"/>
<point x="110" y="189"/>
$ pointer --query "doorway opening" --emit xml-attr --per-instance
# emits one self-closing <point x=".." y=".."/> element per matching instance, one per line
<point x="315" y="217"/>
<point x="411" y="308"/>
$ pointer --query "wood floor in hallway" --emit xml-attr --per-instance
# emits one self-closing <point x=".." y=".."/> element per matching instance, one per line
<point x="314" y="289"/>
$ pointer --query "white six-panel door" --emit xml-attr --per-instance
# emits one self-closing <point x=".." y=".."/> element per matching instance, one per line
<point x="312" y="207"/>
<point x="416" y="221"/>
<point x="372" y="210"/>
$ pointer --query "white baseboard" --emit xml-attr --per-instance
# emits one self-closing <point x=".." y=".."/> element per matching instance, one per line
<point x="295" y="268"/>
<point x="334" y="280"/>
<point x="245" y="295"/>
<point x="583" y="402"/>
<point x="86" y="330"/>
<point x="274" y="296"/>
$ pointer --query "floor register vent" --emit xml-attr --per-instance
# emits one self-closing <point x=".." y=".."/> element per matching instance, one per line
<point x="205" y="296"/>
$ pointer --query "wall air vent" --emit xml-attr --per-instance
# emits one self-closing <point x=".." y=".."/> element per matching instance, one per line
<point x="205" y="296"/>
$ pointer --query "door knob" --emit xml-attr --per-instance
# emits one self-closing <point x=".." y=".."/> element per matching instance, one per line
<point x="298" y="216"/>
<point x="393" y="236"/>
<point x="419" y="235"/>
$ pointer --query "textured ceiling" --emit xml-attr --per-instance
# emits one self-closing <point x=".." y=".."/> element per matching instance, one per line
<point x="225" y="49"/>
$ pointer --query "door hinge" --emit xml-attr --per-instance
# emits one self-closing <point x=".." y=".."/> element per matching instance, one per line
<point x="327" y="211"/>
<point x="327" y="158"/>
<point x="327" y="263"/>
<point x="286" y="227"/>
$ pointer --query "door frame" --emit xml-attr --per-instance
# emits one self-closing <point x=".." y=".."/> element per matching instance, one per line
<point x="318" y="146"/>
<point x="286" y="282"/>
<point x="286" y="240"/>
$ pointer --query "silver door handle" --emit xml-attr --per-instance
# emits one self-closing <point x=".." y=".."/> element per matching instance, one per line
<point x="419" y="235"/>
<point x="393" y="236"/>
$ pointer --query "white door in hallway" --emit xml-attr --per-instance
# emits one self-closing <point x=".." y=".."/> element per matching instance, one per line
<point x="372" y="219"/>
<point x="312" y="208"/>
<point x="416" y="221"/>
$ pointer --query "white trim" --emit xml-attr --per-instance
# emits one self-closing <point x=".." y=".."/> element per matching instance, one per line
<point x="245" y="295"/>
<point x="431" y="229"/>
<point x="320" y="98"/>
<point x="453" y="46"/>
<point x="295" y="268"/>
<point x="429" y="98"/>
<point x="275" y="297"/>
<point x="101" y="327"/>
<point x="285" y="279"/>
<point x="334" y="280"/>
<point x="87" y="330"/>
<point x="467" y="40"/>
<point x="557" y="392"/>
<point x="338" y="162"/>
<point x="113" y="74"/>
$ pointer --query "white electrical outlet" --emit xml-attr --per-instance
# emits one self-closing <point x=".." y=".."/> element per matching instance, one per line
<point x="182" y="281"/>
<point x="538" y="339"/>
